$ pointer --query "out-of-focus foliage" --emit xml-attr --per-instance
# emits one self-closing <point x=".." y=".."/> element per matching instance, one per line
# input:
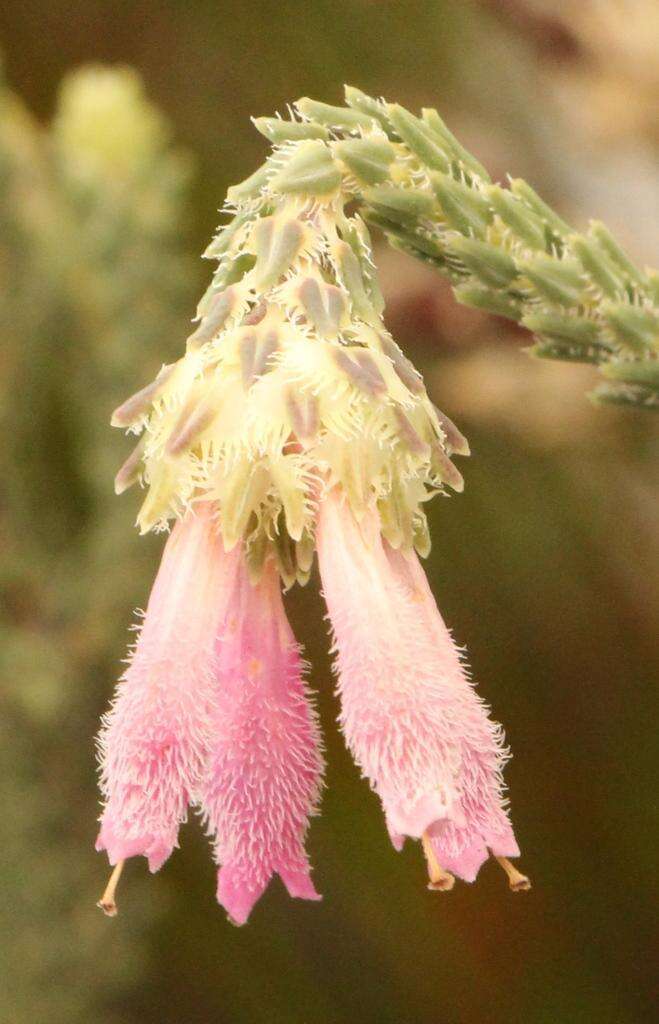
<point x="613" y="88"/>
<point x="545" y="566"/>
<point x="91" y="277"/>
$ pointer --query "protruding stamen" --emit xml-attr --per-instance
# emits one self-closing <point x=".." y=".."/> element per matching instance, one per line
<point x="440" y="880"/>
<point x="516" y="880"/>
<point x="107" y="902"/>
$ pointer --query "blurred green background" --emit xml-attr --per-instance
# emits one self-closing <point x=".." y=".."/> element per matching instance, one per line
<point x="110" y="180"/>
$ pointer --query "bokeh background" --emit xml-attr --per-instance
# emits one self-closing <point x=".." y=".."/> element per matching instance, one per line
<point x="121" y="126"/>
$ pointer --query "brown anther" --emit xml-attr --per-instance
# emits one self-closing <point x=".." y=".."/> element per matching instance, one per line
<point x="516" y="880"/>
<point x="440" y="880"/>
<point x="107" y="902"/>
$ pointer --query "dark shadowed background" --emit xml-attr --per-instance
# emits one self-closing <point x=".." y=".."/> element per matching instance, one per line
<point x="546" y="567"/>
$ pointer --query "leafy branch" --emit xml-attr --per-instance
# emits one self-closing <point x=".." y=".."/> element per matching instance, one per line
<point x="504" y="250"/>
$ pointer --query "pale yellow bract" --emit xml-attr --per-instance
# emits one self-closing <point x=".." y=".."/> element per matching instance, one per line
<point x="291" y="383"/>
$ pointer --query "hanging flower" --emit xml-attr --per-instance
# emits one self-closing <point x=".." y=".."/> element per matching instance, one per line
<point x="263" y="774"/>
<point x="155" y="739"/>
<point x="294" y="420"/>
<point x="410" y="716"/>
<point x="212" y="713"/>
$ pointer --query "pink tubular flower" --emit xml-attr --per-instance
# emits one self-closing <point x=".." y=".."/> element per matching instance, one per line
<point x="212" y="712"/>
<point x="410" y="716"/>
<point x="264" y="773"/>
<point x="155" y="739"/>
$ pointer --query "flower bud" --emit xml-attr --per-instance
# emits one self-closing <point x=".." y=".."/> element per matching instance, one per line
<point x="402" y="206"/>
<point x="405" y="370"/>
<point x="194" y="419"/>
<point x="310" y="170"/>
<point x="443" y="468"/>
<point x="256" y="349"/>
<point x="368" y="159"/>
<point x="488" y="300"/>
<point x="225" y="236"/>
<point x="597" y="265"/>
<point x="494" y="268"/>
<point x="465" y="209"/>
<point x="220" y="310"/>
<point x="610" y="247"/>
<point x="355" y="232"/>
<point x="434" y="122"/>
<point x="634" y="328"/>
<point x="159" y="499"/>
<point x="558" y="281"/>
<point x="240" y="486"/>
<point x="139" y="404"/>
<point x="523" y="191"/>
<point x="276" y="243"/>
<point x="456" y="443"/>
<point x="350" y="275"/>
<point x="557" y="327"/>
<point x="521" y="220"/>
<point x="324" y="305"/>
<point x="375" y="109"/>
<point x="409" y="435"/>
<point x="250" y="188"/>
<point x="334" y="117"/>
<point x="419" y="138"/>
<point x="404" y="237"/>
<point x="361" y="369"/>
<point x="230" y="271"/>
<point x="278" y="131"/>
<point x="285" y="473"/>
<point x="302" y="409"/>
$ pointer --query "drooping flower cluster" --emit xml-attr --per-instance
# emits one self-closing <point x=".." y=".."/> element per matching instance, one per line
<point x="293" y="423"/>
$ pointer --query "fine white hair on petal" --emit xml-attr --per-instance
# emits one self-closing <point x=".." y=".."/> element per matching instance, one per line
<point x="155" y="738"/>
<point x="410" y="715"/>
<point x="264" y="773"/>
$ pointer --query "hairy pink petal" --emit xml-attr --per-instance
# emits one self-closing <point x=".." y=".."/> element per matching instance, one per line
<point x="264" y="774"/>
<point x="155" y="739"/>
<point x="410" y="716"/>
